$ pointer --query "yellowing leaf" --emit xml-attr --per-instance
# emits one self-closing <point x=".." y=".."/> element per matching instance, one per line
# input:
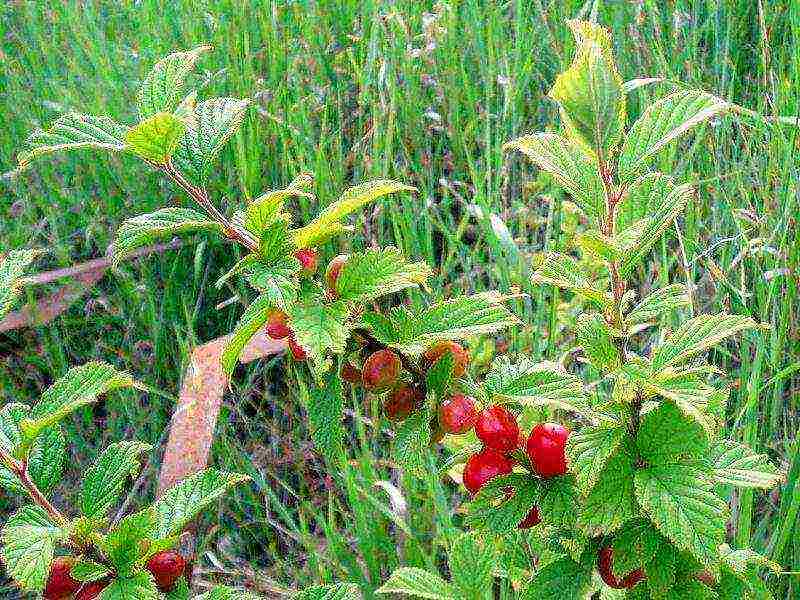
<point x="155" y="138"/>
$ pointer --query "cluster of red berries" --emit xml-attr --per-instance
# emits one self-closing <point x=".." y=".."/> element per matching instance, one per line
<point x="166" y="568"/>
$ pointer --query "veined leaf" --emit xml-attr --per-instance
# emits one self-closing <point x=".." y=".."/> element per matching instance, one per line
<point x="698" y="335"/>
<point x="337" y="591"/>
<point x="277" y="281"/>
<point x="740" y="559"/>
<point x="182" y="503"/>
<point x="558" y="500"/>
<point x="12" y="270"/>
<point x="611" y="500"/>
<point x="156" y="138"/>
<point x="471" y="561"/>
<point x="642" y="198"/>
<point x="588" y="451"/>
<point x="663" y="122"/>
<point x="679" y="499"/>
<point x="596" y="339"/>
<point x="418" y="583"/>
<point x="412" y="442"/>
<point x="614" y="248"/>
<point x="253" y="319"/>
<point x="29" y="538"/>
<point x="209" y="127"/>
<point x="658" y="303"/>
<point x="635" y="545"/>
<point x="126" y="544"/>
<point x="535" y="384"/>
<point x="74" y="131"/>
<point x="736" y="464"/>
<point x="378" y="272"/>
<point x="690" y="394"/>
<point x="635" y="84"/>
<point x="79" y="387"/>
<point x="564" y="271"/>
<point x="666" y="434"/>
<point x="321" y="329"/>
<point x="103" y="482"/>
<point x="570" y="167"/>
<point x="165" y="222"/>
<point x="563" y="578"/>
<point x="139" y="585"/>
<point x="325" y="412"/>
<point x="590" y="93"/>
<point x="275" y="242"/>
<point x="165" y="86"/>
<point x="495" y="509"/>
<point x="268" y="207"/>
<point x="88" y="570"/>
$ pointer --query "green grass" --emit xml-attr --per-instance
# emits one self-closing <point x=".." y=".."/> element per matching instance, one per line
<point x="356" y="90"/>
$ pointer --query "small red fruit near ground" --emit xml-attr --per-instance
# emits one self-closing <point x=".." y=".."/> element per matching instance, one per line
<point x="380" y="371"/>
<point x="296" y="349"/>
<point x="333" y="271"/>
<point x="460" y="356"/>
<point x="309" y="259"/>
<point x="497" y="428"/>
<point x="706" y="578"/>
<point x="60" y="584"/>
<point x="402" y="401"/>
<point x="92" y="590"/>
<point x="166" y="568"/>
<point x="351" y="374"/>
<point x="545" y="449"/>
<point x="533" y="518"/>
<point x="457" y="414"/>
<point x="277" y="328"/>
<point x="605" y="563"/>
<point x="483" y="466"/>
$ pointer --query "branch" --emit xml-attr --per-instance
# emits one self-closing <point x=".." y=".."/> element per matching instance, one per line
<point x="20" y="469"/>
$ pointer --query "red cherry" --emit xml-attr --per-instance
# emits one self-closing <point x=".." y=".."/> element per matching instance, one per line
<point x="381" y="370"/>
<point x="309" y="259"/>
<point x="351" y="374"/>
<point x="533" y="518"/>
<point x="402" y="401"/>
<point x="92" y="590"/>
<point x="497" y="428"/>
<point x="333" y="271"/>
<point x="60" y="584"/>
<point x="545" y="448"/>
<point x="166" y="567"/>
<point x="605" y="564"/>
<point x="277" y="328"/>
<point x="460" y="356"/>
<point x="457" y="414"/>
<point x="298" y="353"/>
<point x="483" y="466"/>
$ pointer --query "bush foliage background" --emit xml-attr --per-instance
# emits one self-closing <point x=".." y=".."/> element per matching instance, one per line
<point x="427" y="94"/>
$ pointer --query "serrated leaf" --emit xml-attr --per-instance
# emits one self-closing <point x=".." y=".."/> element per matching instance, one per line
<point x="156" y="138"/>
<point x="659" y="303"/>
<point x="611" y="248"/>
<point x="418" y="583"/>
<point x="411" y="444"/>
<point x="253" y="319"/>
<point x="268" y="207"/>
<point x="180" y="591"/>
<point x="588" y="451"/>
<point x="29" y="538"/>
<point x="557" y="501"/>
<point x="79" y="387"/>
<point x="698" y="335"/>
<point x="74" y="131"/>
<point x="378" y="272"/>
<point x="563" y="578"/>
<point x="661" y="570"/>
<point x="277" y="281"/>
<point x="596" y="338"/>
<point x="663" y="122"/>
<point x="125" y="544"/>
<point x="611" y="500"/>
<point x="103" y="482"/>
<point x="86" y="570"/>
<point x="139" y="586"/>
<point x="12" y="270"/>
<point x="471" y="561"/>
<point x="439" y="376"/>
<point x="666" y="434"/>
<point x="321" y="329"/>
<point x="337" y="591"/>
<point x="570" y="167"/>
<point x="179" y="505"/>
<point x="689" y="393"/>
<point x="641" y="199"/>
<point x="634" y="545"/>
<point x="680" y="500"/>
<point x="736" y="464"/>
<point x="209" y="127"/>
<point x="741" y="559"/>
<point x="166" y="222"/>
<point x="325" y="412"/>
<point x="165" y="86"/>
<point x="503" y="502"/>
<point x="564" y="271"/>
<point x="535" y="384"/>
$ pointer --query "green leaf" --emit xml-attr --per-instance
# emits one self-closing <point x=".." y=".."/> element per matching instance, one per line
<point x="337" y="591"/>
<point x="180" y="591"/>
<point x="209" y="127"/>
<point x="589" y="450"/>
<point x="79" y="387"/>
<point x="165" y="222"/>
<point x="597" y="340"/>
<point x="663" y="122"/>
<point x="139" y="586"/>
<point x="12" y="270"/>
<point x="736" y="464"/>
<point x="88" y="570"/>
<point x="661" y="570"/>
<point x="698" y="335"/>
<point x="689" y="393"/>
<point x="659" y="303"/>
<point x="570" y="167"/>
<point x="253" y="319"/>
<point x="740" y="560"/>
<point x="74" y="131"/>
<point x="680" y="500"/>
<point x="105" y="479"/>
<point x="179" y="505"/>
<point x="535" y="384"/>
<point x="411" y="444"/>
<point x="635" y="545"/>
<point x="667" y="434"/>
<point x="268" y="208"/>
<point x="419" y="583"/>
<point x="277" y="282"/>
<point x="439" y="376"/>
<point x="325" y="412"/>
<point x="641" y="199"/>
<point x="561" y="579"/>
<point x="564" y="271"/>
<point x="378" y="272"/>
<point x="611" y="501"/>
<point x="590" y="93"/>
<point x="471" y="561"/>
<point x="321" y="329"/>
<point x="495" y="509"/>
<point x="557" y="501"/>
<point x="156" y="138"/>
<point x="165" y="86"/>
<point x="125" y="545"/>
<point x="29" y="538"/>
<point x="611" y="248"/>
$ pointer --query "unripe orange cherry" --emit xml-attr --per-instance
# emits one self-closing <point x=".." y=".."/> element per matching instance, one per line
<point x="297" y="351"/>
<point x="484" y="466"/>
<point x="545" y="449"/>
<point x="497" y="428"/>
<point x="402" y="402"/>
<point x="277" y="328"/>
<point x="166" y="568"/>
<point x="533" y="518"/>
<point x="460" y="356"/>
<point x="457" y="414"/>
<point x="333" y="271"/>
<point x="605" y="566"/>
<point x="92" y="590"/>
<point x="380" y="371"/>
<point x="60" y="584"/>
<point x="309" y="259"/>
